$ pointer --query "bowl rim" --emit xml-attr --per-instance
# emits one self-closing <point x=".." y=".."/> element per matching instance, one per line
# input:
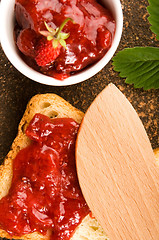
<point x="11" y="51"/>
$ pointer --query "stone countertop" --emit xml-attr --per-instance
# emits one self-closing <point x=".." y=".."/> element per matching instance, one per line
<point x="16" y="89"/>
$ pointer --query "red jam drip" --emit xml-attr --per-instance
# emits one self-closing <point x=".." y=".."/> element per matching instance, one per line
<point x="90" y="36"/>
<point x="45" y="194"/>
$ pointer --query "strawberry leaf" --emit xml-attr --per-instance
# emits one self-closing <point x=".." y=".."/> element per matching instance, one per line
<point x="50" y="30"/>
<point x="49" y="38"/>
<point x="139" y="65"/>
<point x="63" y="43"/>
<point x="44" y="33"/>
<point x="153" y="10"/>
<point x="64" y="35"/>
<point x="55" y="43"/>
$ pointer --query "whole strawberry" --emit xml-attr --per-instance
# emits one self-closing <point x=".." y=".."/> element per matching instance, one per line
<point x="49" y="47"/>
<point x="46" y="53"/>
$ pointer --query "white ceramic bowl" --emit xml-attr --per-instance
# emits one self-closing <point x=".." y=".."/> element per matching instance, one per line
<point x="10" y="49"/>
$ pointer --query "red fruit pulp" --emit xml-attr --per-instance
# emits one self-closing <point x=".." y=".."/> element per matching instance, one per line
<point x="45" y="194"/>
<point x="85" y="44"/>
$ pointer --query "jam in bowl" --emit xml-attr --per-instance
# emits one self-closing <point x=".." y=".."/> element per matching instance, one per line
<point x="60" y="42"/>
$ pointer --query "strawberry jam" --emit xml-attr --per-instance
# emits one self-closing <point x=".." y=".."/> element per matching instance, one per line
<point x="90" y="34"/>
<point x="45" y="195"/>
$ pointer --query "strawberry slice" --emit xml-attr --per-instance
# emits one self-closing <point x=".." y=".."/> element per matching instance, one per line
<point x="26" y="41"/>
<point x="103" y="37"/>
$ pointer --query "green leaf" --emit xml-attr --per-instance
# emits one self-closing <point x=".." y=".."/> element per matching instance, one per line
<point x="55" y="43"/>
<point x="139" y="65"/>
<point x="153" y="10"/>
<point x="50" y="30"/>
<point x="44" y="33"/>
<point x="49" y="38"/>
<point x="64" y="35"/>
<point x="63" y="43"/>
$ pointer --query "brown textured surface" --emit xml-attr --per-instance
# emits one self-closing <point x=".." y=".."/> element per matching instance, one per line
<point x="16" y="89"/>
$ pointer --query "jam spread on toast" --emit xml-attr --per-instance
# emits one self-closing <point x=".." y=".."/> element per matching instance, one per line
<point x="45" y="193"/>
<point x="90" y="34"/>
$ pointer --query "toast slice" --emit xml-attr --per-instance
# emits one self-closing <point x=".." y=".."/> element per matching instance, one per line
<point x="52" y="106"/>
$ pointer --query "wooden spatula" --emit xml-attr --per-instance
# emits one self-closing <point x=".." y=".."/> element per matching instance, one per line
<point x="116" y="167"/>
